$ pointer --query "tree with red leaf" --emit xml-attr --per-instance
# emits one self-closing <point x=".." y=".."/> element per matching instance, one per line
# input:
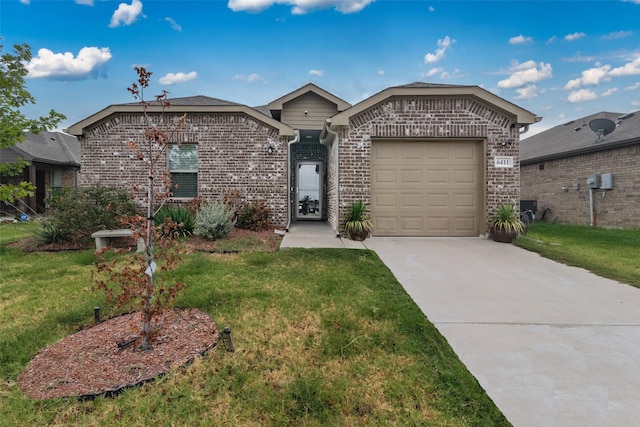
<point x="132" y="281"/>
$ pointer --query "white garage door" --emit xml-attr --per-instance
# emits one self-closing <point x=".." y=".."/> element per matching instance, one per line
<point x="421" y="188"/>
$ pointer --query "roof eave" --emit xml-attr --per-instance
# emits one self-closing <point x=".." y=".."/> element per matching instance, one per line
<point x="309" y="87"/>
<point x="584" y="150"/>
<point x="522" y="117"/>
<point x="78" y="128"/>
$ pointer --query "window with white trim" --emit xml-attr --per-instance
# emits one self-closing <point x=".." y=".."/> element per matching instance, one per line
<point x="183" y="168"/>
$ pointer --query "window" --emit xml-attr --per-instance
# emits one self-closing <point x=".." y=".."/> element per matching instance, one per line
<point x="56" y="179"/>
<point x="183" y="167"/>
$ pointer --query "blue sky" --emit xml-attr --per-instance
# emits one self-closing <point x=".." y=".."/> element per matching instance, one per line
<point x="558" y="59"/>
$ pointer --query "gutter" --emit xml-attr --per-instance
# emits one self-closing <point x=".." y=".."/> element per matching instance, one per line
<point x="296" y="138"/>
<point x="328" y="137"/>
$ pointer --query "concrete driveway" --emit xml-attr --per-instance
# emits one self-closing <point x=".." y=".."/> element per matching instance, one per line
<point x="552" y="345"/>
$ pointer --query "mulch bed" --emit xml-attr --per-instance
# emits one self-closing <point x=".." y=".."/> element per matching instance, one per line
<point x="106" y="358"/>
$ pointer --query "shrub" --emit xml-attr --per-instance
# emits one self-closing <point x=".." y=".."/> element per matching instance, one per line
<point x="75" y="213"/>
<point x="214" y="221"/>
<point x="182" y="220"/>
<point x="253" y="216"/>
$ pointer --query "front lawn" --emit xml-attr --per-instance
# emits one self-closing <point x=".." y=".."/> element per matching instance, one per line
<point x="611" y="253"/>
<point x="323" y="337"/>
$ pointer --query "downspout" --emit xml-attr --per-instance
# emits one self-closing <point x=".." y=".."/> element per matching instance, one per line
<point x="328" y="136"/>
<point x="295" y="139"/>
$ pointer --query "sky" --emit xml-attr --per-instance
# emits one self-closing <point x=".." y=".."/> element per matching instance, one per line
<point x="561" y="60"/>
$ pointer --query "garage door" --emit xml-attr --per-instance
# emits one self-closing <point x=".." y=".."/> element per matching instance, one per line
<point x="421" y="188"/>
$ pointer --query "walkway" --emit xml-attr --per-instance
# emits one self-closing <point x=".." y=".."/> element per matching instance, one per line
<point x="553" y="346"/>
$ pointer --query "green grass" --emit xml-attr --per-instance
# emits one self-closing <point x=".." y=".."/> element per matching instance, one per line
<point x="323" y="337"/>
<point x="610" y="253"/>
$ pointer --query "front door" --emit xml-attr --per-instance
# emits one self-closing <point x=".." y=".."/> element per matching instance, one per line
<point x="309" y="190"/>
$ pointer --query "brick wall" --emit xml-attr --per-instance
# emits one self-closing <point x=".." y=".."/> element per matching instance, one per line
<point x="427" y="118"/>
<point x="232" y="156"/>
<point x="553" y="187"/>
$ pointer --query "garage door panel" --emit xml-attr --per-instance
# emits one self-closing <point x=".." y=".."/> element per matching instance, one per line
<point x="411" y="201"/>
<point x="463" y="176"/>
<point x="411" y="176"/>
<point x="437" y="200"/>
<point x="386" y="200"/>
<point x="423" y="188"/>
<point x="437" y="176"/>
<point x="468" y="201"/>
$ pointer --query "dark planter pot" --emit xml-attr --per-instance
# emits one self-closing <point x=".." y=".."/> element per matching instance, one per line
<point x="357" y="236"/>
<point x="503" y="236"/>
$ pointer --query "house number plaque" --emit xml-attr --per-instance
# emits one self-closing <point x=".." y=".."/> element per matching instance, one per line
<point x="504" y="161"/>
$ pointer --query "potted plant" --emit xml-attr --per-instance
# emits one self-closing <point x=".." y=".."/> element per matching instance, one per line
<point x="505" y="223"/>
<point x="357" y="224"/>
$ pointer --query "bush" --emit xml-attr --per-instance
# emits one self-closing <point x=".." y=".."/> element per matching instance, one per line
<point x="75" y="213"/>
<point x="214" y="221"/>
<point x="182" y="218"/>
<point x="253" y="216"/>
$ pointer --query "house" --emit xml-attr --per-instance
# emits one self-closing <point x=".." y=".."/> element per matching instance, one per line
<point x="54" y="162"/>
<point x="586" y="170"/>
<point x="427" y="159"/>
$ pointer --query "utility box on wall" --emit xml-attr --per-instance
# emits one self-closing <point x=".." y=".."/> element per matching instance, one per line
<point x="593" y="181"/>
<point x="606" y="183"/>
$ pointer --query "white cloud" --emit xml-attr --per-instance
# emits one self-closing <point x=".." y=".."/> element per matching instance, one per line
<point x="85" y="2"/>
<point x="581" y="96"/>
<point x="300" y="7"/>
<point x="318" y="73"/>
<point x="525" y="73"/>
<point x="551" y="39"/>
<point x="380" y="72"/>
<point x="520" y="40"/>
<point x="527" y="92"/>
<point x="574" y="36"/>
<point x="579" y="58"/>
<point x="447" y="75"/>
<point x="443" y="45"/>
<point x="174" y="24"/>
<point x="251" y="78"/>
<point x="25" y="2"/>
<point x="609" y="92"/>
<point x="616" y="35"/>
<point x="432" y="72"/>
<point x="629" y="69"/>
<point x="47" y="64"/>
<point x="590" y="77"/>
<point x="176" y="78"/>
<point x="633" y="87"/>
<point x="126" y="14"/>
<point x="432" y="9"/>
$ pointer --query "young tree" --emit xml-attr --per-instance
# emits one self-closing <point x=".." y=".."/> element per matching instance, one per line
<point x="13" y="96"/>
<point x="135" y="282"/>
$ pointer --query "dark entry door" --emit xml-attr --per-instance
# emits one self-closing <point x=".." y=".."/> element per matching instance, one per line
<point x="309" y="190"/>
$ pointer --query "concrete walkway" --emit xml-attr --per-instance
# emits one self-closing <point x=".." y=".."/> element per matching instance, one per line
<point x="553" y="346"/>
<point x="315" y="234"/>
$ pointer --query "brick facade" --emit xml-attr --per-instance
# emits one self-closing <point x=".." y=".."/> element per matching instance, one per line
<point x="553" y="187"/>
<point x="232" y="156"/>
<point x="425" y="118"/>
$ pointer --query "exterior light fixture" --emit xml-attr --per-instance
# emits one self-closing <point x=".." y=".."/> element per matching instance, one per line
<point x="270" y="149"/>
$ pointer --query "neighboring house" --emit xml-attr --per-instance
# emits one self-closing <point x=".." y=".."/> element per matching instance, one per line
<point x="427" y="159"/>
<point x="557" y="163"/>
<point x="54" y="162"/>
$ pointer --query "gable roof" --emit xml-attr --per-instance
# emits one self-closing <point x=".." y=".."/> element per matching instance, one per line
<point x="191" y="104"/>
<point x="310" y="87"/>
<point x="522" y="117"/>
<point x="54" y="148"/>
<point x="576" y="137"/>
